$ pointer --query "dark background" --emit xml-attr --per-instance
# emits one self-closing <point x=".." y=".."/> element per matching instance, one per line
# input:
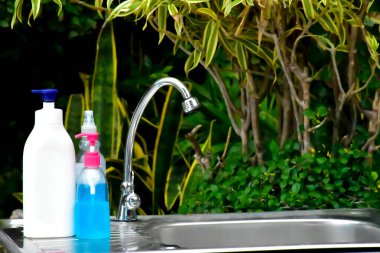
<point x="50" y="54"/>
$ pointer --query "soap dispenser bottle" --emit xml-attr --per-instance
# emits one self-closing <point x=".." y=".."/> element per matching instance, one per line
<point x="48" y="173"/>
<point x="88" y="126"/>
<point x="92" y="209"/>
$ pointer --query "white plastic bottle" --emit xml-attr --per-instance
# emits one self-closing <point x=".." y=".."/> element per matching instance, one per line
<point x="48" y="174"/>
<point x="88" y="126"/>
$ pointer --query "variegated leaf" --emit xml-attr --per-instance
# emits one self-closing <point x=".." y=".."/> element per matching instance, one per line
<point x="124" y="9"/>
<point x="167" y="135"/>
<point x="193" y="61"/>
<point x="74" y="116"/>
<point x="229" y="45"/>
<point x="109" y="3"/>
<point x="17" y="12"/>
<point x="98" y="4"/>
<point x="178" y="25"/>
<point x="250" y="2"/>
<point x="104" y="93"/>
<point x="59" y="3"/>
<point x="308" y="9"/>
<point x="172" y="9"/>
<point x="196" y="1"/>
<point x="256" y="50"/>
<point x="36" y="6"/>
<point x="231" y="5"/>
<point x="242" y="59"/>
<point x="162" y="16"/>
<point x="208" y="12"/>
<point x="328" y="24"/>
<point x="210" y="40"/>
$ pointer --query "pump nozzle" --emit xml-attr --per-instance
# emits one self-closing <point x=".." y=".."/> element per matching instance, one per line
<point x="91" y="158"/>
<point x="91" y="137"/>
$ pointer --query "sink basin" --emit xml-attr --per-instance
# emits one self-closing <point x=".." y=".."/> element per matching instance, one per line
<point x="324" y="229"/>
<point x="270" y="234"/>
<point x="338" y="230"/>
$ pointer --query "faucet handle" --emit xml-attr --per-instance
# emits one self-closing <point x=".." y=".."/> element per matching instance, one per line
<point x="132" y="201"/>
<point x="129" y="202"/>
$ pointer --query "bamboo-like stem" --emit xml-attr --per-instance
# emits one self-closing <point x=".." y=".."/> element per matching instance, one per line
<point x="91" y="7"/>
<point x="254" y="115"/>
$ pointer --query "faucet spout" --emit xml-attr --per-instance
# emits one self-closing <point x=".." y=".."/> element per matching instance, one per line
<point x="130" y="201"/>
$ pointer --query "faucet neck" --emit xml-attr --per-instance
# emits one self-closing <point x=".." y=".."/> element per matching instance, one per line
<point x="130" y="201"/>
<point x="189" y="104"/>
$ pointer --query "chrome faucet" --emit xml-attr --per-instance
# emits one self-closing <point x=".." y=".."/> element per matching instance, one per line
<point x="129" y="200"/>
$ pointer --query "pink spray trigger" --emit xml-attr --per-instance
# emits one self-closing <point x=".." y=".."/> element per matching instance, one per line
<point x="91" y="137"/>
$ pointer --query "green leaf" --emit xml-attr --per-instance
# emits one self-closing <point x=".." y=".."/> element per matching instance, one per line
<point x="124" y="9"/>
<point x="310" y="187"/>
<point x="162" y="17"/>
<point x="254" y="48"/>
<point x="104" y="98"/>
<point x="283" y="184"/>
<point x="172" y="9"/>
<point x="36" y="6"/>
<point x="193" y="61"/>
<point x="321" y="160"/>
<point x="18" y="196"/>
<point x="328" y="24"/>
<point x="59" y="3"/>
<point x="196" y="1"/>
<point x="74" y="116"/>
<point x="170" y="122"/>
<point x="274" y="149"/>
<point x="374" y="175"/>
<point x="309" y="113"/>
<point x="228" y="7"/>
<point x="322" y="111"/>
<point x="308" y="9"/>
<point x="208" y="12"/>
<point x="210" y="40"/>
<point x="228" y="45"/>
<point x="242" y="59"/>
<point x="296" y="187"/>
<point x="98" y="4"/>
<point x="17" y="12"/>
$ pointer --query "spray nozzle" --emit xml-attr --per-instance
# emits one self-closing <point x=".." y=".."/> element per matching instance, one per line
<point x="47" y="95"/>
<point x="88" y="125"/>
<point x="91" y="137"/>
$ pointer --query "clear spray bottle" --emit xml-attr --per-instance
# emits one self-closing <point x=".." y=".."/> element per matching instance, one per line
<point x="88" y="126"/>
<point x="92" y="209"/>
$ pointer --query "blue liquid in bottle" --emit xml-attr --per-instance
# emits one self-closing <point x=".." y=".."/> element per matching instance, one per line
<point x="92" y="212"/>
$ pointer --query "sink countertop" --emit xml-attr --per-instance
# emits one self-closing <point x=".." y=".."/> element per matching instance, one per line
<point x="144" y="235"/>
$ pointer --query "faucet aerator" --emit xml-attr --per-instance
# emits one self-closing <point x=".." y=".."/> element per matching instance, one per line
<point x="190" y="105"/>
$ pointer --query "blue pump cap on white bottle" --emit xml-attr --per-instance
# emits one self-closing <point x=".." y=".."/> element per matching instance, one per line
<point x="48" y="115"/>
<point x="47" y="95"/>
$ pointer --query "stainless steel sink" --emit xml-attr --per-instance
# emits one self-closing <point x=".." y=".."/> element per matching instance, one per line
<point x="339" y="230"/>
<point x="270" y="234"/>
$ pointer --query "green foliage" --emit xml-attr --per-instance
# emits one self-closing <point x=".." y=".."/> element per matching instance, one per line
<point x="287" y="182"/>
<point x="296" y="81"/>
